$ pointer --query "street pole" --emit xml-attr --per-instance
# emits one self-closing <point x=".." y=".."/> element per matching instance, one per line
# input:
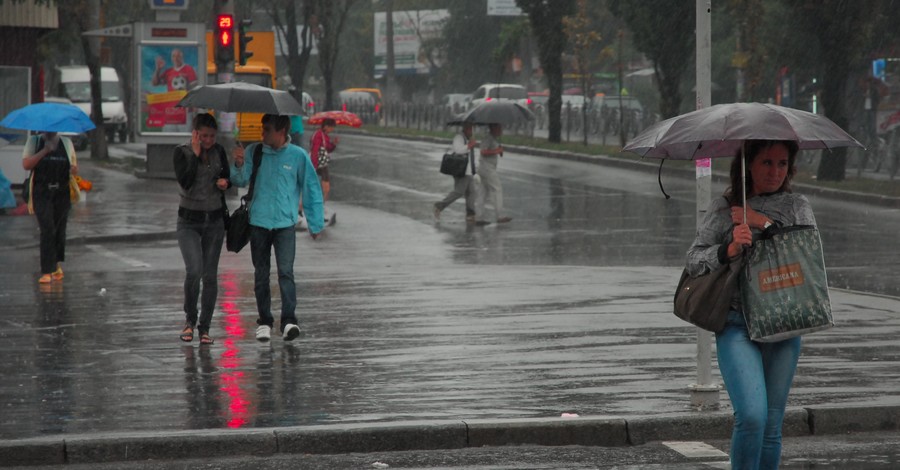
<point x="225" y="74"/>
<point x="704" y="394"/>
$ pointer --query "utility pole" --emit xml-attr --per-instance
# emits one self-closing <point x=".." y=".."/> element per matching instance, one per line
<point x="704" y="394"/>
<point x="390" y="80"/>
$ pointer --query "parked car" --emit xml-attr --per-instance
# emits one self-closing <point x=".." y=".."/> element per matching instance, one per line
<point x="500" y="91"/>
<point x="364" y="102"/>
<point x="457" y="102"/>
<point x="608" y="108"/>
<point x="80" y="139"/>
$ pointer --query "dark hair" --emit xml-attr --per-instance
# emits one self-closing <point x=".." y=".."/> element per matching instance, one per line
<point x="328" y="122"/>
<point x="204" y="120"/>
<point x="279" y="122"/>
<point x="752" y="148"/>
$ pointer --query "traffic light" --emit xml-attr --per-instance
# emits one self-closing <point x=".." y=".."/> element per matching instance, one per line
<point x="243" y="40"/>
<point x="224" y="38"/>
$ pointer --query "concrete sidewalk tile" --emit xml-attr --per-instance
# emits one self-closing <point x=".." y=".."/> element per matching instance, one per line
<point x="845" y="419"/>
<point x="606" y="432"/>
<point x="372" y="438"/>
<point x="193" y="444"/>
<point x="41" y="451"/>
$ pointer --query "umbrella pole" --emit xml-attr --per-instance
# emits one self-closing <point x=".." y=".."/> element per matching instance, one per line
<point x="744" y="181"/>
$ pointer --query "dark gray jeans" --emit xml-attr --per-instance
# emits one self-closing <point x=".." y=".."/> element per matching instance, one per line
<point x="201" y="245"/>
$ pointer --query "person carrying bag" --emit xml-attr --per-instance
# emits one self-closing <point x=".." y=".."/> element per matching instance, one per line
<point x="757" y="375"/>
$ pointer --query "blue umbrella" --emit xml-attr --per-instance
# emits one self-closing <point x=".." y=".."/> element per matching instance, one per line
<point x="48" y="117"/>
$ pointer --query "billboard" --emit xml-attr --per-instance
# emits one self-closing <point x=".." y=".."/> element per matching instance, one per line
<point x="411" y="29"/>
<point x="170" y="59"/>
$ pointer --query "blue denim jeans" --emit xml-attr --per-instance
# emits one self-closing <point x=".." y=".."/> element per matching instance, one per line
<point x="201" y="246"/>
<point x="261" y="243"/>
<point x="758" y="378"/>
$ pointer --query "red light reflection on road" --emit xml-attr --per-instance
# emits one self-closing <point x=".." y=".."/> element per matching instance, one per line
<point x="230" y="360"/>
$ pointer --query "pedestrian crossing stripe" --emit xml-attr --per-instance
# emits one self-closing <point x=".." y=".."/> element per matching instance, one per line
<point x="694" y="450"/>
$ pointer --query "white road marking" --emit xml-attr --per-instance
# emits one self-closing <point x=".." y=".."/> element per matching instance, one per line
<point x="113" y="255"/>
<point x="694" y="449"/>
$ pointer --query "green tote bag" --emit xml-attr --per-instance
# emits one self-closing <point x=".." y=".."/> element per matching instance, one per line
<point x="784" y="289"/>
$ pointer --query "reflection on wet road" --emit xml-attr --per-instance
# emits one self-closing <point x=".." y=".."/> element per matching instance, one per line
<point x="564" y="310"/>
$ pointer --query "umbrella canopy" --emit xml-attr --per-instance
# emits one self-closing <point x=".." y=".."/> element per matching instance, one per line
<point x="240" y="97"/>
<point x="507" y="113"/>
<point x="341" y="118"/>
<point x="49" y="117"/>
<point x="720" y="130"/>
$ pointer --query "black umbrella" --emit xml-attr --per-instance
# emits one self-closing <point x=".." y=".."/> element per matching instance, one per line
<point x="506" y="113"/>
<point x="240" y="97"/>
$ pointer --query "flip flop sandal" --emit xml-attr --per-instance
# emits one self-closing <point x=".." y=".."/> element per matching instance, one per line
<point x="206" y="339"/>
<point x="187" y="334"/>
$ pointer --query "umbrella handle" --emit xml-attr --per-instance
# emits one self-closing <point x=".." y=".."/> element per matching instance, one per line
<point x="659" y="179"/>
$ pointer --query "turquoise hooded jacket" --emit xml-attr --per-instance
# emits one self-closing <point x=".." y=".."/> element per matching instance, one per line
<point x="285" y="175"/>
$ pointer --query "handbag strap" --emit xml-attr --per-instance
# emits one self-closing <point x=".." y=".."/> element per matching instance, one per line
<point x="257" y="160"/>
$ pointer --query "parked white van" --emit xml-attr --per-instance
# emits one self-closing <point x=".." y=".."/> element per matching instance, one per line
<point x="74" y="82"/>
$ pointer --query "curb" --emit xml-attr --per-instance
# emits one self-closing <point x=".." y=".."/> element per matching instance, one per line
<point x="405" y="436"/>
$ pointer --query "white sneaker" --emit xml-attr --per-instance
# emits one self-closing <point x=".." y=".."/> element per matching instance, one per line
<point x="263" y="333"/>
<point x="291" y="331"/>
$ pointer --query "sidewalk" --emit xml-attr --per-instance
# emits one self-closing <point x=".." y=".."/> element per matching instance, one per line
<point x="401" y="360"/>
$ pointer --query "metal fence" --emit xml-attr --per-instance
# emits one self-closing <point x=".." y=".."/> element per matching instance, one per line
<point x="599" y="124"/>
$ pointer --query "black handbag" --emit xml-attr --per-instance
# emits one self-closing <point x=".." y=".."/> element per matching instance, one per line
<point x="454" y="164"/>
<point x="237" y="232"/>
<point x="704" y="301"/>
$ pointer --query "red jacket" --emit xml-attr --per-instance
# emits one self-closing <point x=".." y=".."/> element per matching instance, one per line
<point x="319" y="139"/>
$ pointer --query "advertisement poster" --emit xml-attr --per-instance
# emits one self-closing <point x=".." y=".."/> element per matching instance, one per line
<point x="167" y="73"/>
<point x="413" y="31"/>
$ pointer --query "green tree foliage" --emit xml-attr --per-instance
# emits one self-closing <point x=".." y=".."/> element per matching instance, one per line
<point x="469" y="36"/>
<point x="584" y="38"/>
<point x="547" y="26"/>
<point x="664" y="31"/>
<point x="842" y="30"/>
<point x="332" y="16"/>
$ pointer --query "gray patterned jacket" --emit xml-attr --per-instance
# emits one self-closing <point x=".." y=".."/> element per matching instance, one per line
<point x="707" y="252"/>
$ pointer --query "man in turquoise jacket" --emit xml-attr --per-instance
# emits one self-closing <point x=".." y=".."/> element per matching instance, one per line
<point x="285" y="174"/>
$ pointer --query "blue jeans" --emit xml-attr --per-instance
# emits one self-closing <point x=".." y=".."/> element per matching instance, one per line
<point x="201" y="246"/>
<point x="261" y="243"/>
<point x="758" y="378"/>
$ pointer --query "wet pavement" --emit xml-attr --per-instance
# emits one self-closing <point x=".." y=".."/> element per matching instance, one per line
<point x="396" y="331"/>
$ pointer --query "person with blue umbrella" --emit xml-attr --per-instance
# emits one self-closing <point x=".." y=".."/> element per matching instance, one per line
<point x="52" y="161"/>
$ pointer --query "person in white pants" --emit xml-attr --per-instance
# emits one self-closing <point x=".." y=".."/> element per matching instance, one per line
<point x="491" y="151"/>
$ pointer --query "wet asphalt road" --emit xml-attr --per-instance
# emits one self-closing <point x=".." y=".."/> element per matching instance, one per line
<point x="565" y="310"/>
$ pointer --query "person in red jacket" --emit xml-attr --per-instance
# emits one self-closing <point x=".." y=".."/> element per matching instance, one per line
<point x="320" y="147"/>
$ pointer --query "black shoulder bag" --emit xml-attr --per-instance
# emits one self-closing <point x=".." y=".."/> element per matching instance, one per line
<point x="455" y="164"/>
<point x="237" y="235"/>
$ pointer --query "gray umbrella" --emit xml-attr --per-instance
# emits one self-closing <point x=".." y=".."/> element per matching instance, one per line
<point x="507" y="113"/>
<point x="720" y="131"/>
<point x="240" y="97"/>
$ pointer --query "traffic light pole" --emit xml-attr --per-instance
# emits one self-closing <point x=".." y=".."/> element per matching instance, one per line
<point x="224" y="48"/>
<point x="224" y="58"/>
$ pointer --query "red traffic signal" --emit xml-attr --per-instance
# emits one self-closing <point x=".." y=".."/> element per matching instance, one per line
<point x="225" y="30"/>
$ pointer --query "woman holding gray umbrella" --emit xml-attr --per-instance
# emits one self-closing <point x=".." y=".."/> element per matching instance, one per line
<point x="203" y="174"/>
<point x="51" y="160"/>
<point x="757" y="375"/>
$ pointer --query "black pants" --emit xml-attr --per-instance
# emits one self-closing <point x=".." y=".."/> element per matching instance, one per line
<point x="51" y="207"/>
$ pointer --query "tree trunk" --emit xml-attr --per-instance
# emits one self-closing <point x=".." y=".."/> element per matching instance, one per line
<point x="90" y="19"/>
